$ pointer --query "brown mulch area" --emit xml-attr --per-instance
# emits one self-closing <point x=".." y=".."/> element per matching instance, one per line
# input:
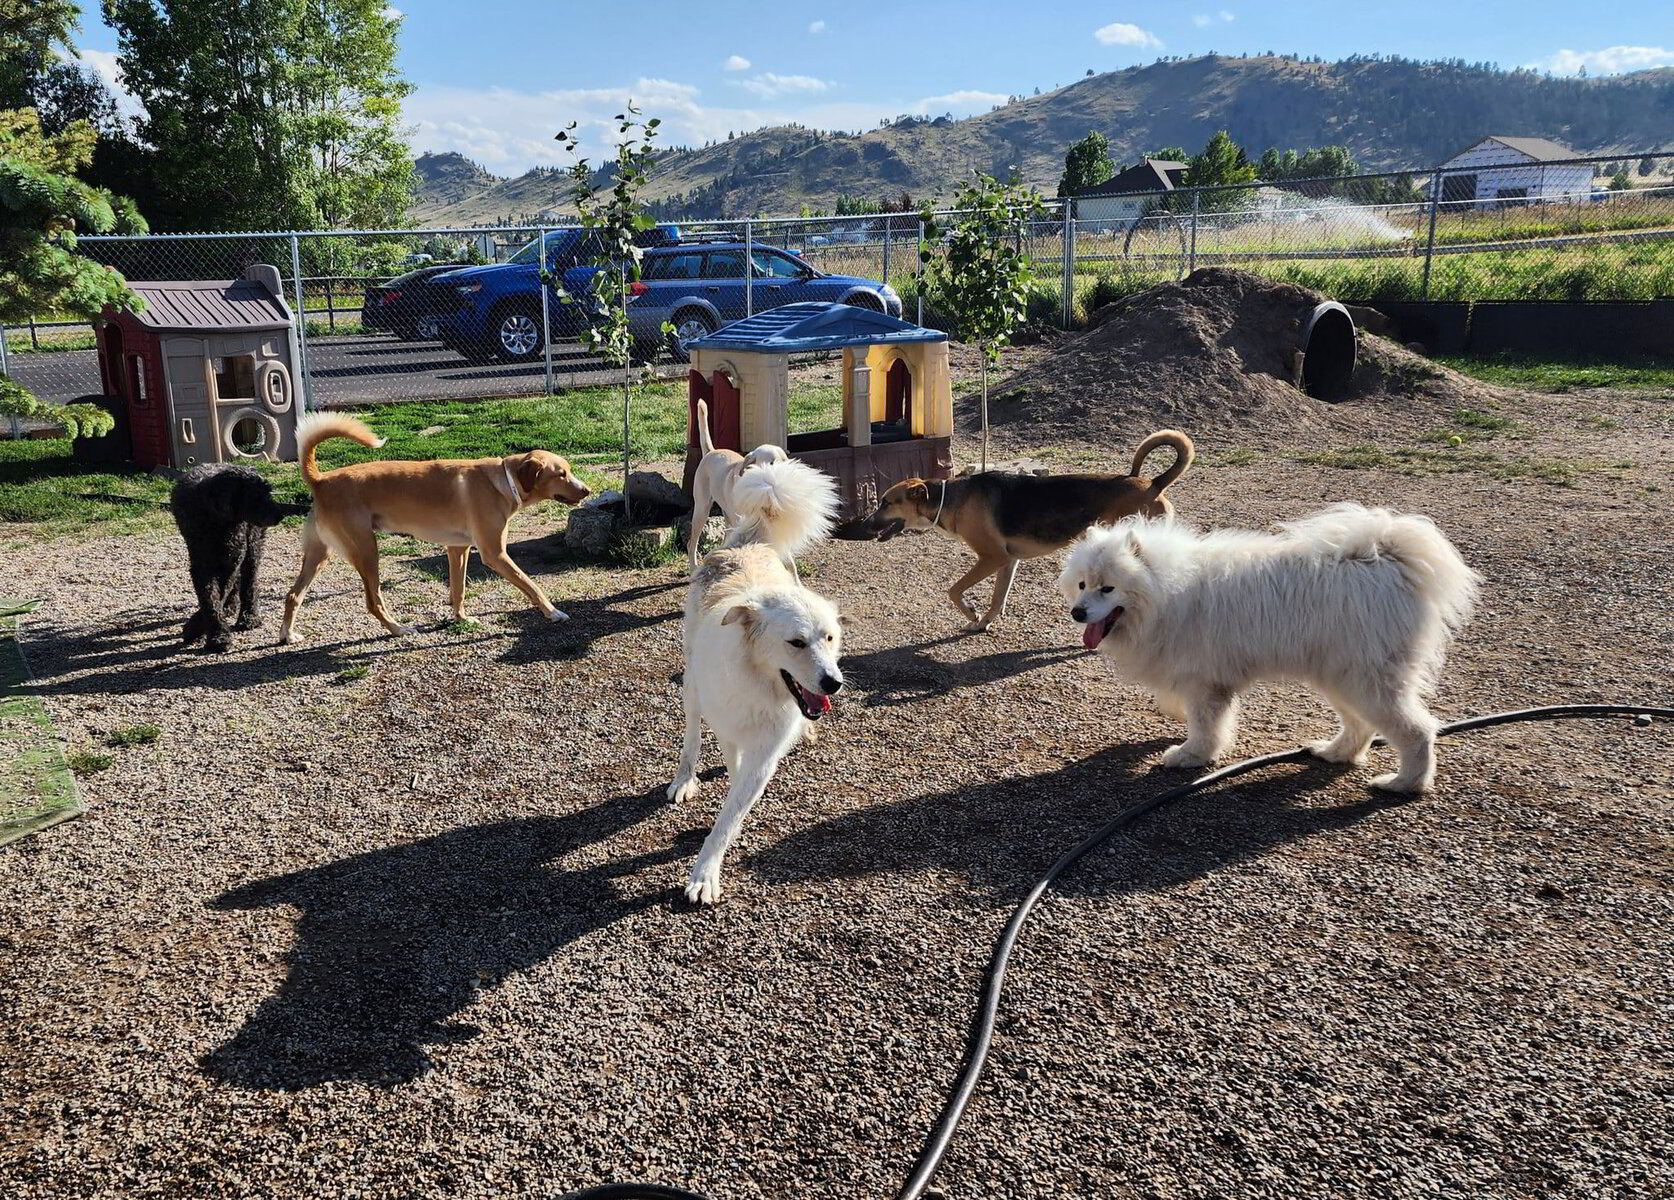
<point x="414" y="933"/>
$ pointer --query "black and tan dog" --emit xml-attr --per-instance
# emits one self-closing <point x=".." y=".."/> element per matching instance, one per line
<point x="1006" y="518"/>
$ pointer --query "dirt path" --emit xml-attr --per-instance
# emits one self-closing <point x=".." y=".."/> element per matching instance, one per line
<point x="411" y="933"/>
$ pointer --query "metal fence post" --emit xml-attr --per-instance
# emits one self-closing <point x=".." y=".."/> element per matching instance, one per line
<point x="888" y="225"/>
<point x="919" y="274"/>
<point x="1430" y="242"/>
<point x="1191" y="255"/>
<point x="546" y="314"/>
<point x="306" y="390"/>
<point x="1066" y="309"/>
<point x="5" y="353"/>
<point x="749" y="272"/>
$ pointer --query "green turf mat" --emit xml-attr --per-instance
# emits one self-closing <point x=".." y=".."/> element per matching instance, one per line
<point x="36" y="787"/>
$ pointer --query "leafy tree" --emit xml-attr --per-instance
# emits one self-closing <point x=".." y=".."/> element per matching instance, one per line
<point x="1086" y="163"/>
<point x="1647" y="165"/>
<point x="1621" y="182"/>
<point x="267" y="114"/>
<point x="613" y="221"/>
<point x="981" y="279"/>
<point x="42" y="209"/>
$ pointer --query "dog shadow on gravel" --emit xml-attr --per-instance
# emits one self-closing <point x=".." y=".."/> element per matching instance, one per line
<point x="392" y="943"/>
<point x="149" y="656"/>
<point x="905" y="674"/>
<point x="1003" y="835"/>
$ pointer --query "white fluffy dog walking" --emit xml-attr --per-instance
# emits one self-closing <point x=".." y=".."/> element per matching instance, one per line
<point x="1359" y="603"/>
<point x="718" y="473"/>
<point x="761" y="650"/>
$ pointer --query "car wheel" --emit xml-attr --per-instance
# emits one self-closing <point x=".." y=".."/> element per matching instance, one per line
<point x="516" y="334"/>
<point x="689" y="325"/>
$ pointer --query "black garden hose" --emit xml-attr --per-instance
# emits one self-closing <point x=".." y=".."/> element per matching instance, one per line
<point x="982" y="1028"/>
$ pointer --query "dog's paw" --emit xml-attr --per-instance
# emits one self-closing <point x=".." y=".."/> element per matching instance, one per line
<point x="217" y="645"/>
<point x="557" y="614"/>
<point x="248" y="623"/>
<point x="403" y="630"/>
<point x="704" y="887"/>
<point x="1180" y="758"/>
<point x="976" y="627"/>
<point x="1399" y="785"/>
<point x="682" y="790"/>
<point x="1333" y="752"/>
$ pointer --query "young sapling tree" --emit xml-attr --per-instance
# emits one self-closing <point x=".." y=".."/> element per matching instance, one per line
<point x="981" y="276"/>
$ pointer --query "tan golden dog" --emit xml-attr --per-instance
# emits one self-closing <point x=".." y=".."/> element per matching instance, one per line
<point x="456" y="503"/>
<point x="1006" y="518"/>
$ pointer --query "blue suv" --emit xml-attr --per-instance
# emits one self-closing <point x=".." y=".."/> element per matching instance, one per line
<point x="494" y="311"/>
<point x="696" y="287"/>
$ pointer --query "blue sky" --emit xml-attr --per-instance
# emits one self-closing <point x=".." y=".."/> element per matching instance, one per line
<point x="496" y="79"/>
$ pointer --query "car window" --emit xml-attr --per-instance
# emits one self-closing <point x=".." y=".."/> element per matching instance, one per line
<point x="725" y="264"/>
<point x="775" y="266"/>
<point x="530" y="253"/>
<point x="674" y="266"/>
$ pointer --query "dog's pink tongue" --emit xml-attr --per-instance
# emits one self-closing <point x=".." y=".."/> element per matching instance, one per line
<point x="818" y="701"/>
<point x="1092" y="634"/>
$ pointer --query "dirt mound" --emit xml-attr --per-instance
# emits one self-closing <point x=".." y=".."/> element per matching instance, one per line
<point x="1215" y="354"/>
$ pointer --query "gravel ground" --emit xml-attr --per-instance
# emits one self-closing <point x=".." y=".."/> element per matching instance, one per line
<point x="414" y="933"/>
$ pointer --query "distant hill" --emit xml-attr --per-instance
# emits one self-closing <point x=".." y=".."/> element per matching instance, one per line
<point x="1390" y="113"/>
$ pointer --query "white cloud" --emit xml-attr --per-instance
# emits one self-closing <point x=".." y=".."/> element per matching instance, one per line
<point x="1201" y="20"/>
<point x="736" y="62"/>
<point x="1229" y="18"/>
<point x="105" y="66"/>
<point x="767" y="85"/>
<point x="817" y="27"/>
<point x="1204" y="20"/>
<point x="1612" y="60"/>
<point x="1118" y="34"/>
<point x="960" y="104"/>
<point x="391" y="13"/>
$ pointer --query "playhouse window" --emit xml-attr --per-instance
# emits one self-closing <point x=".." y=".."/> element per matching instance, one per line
<point x="235" y="377"/>
<point x="898" y="393"/>
<point x="136" y="379"/>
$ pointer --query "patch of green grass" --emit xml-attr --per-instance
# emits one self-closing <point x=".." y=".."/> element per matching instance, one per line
<point x="134" y="735"/>
<point x="352" y="674"/>
<point x="1562" y="472"/>
<point x="88" y="762"/>
<point x="1230" y="458"/>
<point x="1550" y="375"/>
<point x="462" y="625"/>
<point x="36" y="786"/>
<point x="49" y="341"/>
<point x="642" y="550"/>
<point x="1469" y="424"/>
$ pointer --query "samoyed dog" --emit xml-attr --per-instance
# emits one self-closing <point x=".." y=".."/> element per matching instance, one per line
<point x="761" y="650"/>
<point x="1360" y="603"/>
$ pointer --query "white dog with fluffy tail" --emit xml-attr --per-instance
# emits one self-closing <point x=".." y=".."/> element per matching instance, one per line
<point x="761" y="650"/>
<point x="1359" y="603"/>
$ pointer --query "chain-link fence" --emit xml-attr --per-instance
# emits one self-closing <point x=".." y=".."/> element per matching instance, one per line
<point x="446" y="313"/>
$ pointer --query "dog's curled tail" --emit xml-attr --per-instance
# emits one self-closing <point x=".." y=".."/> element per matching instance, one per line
<point x="1183" y="455"/>
<point x="318" y="427"/>
<point x="705" y="442"/>
<point x="1443" y="581"/>
<point x="786" y="505"/>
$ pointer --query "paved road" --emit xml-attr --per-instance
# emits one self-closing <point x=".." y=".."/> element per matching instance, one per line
<point x="360" y="370"/>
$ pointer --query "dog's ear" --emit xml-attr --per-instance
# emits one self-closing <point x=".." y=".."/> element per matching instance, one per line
<point x="1136" y="549"/>
<point x="917" y="489"/>
<point x="744" y="614"/>
<point x="529" y="474"/>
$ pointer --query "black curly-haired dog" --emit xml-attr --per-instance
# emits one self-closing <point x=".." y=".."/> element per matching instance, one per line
<point x="224" y="513"/>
